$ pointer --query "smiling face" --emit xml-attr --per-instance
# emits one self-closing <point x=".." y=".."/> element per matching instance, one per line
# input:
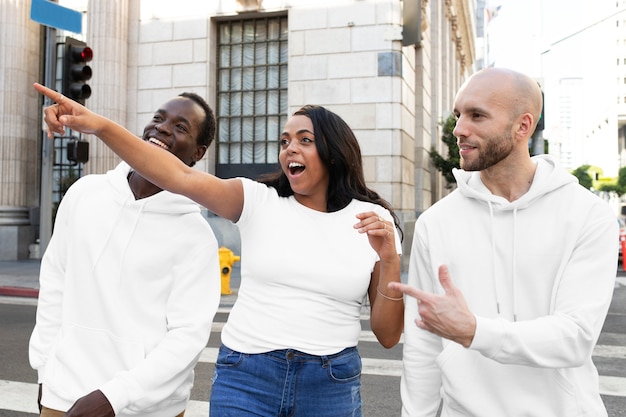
<point x="301" y="163"/>
<point x="484" y="130"/>
<point x="175" y="127"/>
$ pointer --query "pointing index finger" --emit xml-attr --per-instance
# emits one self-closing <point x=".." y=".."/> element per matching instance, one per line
<point x="408" y="290"/>
<point x="51" y="94"/>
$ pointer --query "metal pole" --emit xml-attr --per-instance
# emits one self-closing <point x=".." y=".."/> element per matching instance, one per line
<point x="47" y="147"/>
<point x="538" y="143"/>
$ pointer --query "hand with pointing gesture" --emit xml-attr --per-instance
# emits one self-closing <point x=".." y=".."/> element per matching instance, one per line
<point x="67" y="112"/>
<point x="445" y="315"/>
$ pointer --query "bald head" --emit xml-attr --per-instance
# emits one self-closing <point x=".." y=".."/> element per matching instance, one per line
<point x="497" y="112"/>
<point x="516" y="92"/>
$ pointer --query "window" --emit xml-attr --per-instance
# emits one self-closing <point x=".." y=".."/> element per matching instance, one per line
<point x="252" y="94"/>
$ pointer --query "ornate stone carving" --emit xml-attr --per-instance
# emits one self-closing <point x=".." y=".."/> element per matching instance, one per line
<point x="460" y="18"/>
<point x="248" y="5"/>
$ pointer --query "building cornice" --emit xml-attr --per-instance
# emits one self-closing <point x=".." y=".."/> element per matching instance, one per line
<point x="461" y="23"/>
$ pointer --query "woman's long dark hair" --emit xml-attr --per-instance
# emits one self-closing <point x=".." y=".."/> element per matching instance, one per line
<point x="340" y="153"/>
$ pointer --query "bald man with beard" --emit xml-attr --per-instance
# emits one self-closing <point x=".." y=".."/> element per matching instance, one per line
<point x="511" y="275"/>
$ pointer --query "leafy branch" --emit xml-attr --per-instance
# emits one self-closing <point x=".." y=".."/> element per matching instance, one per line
<point x="442" y="164"/>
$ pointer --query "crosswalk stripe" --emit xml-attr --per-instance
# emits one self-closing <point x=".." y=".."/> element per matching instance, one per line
<point x="18" y="396"/>
<point x="610" y="351"/>
<point x="613" y="385"/>
<point x="208" y="355"/>
<point x="381" y="367"/>
<point x="197" y="409"/>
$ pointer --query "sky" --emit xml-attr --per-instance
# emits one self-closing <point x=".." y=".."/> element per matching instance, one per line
<point x="557" y="41"/>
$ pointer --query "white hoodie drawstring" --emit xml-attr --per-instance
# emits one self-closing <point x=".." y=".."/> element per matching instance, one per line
<point x="493" y="260"/>
<point x="514" y="280"/>
<point x="514" y="266"/>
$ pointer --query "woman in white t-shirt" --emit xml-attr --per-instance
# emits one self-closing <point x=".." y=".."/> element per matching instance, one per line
<point x="315" y="240"/>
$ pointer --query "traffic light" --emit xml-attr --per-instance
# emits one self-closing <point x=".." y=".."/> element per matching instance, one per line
<point x="78" y="151"/>
<point x="76" y="72"/>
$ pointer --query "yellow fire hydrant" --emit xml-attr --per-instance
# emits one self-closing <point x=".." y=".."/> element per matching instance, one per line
<point x="227" y="259"/>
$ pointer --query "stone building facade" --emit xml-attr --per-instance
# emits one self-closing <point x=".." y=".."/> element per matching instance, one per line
<point x="256" y="62"/>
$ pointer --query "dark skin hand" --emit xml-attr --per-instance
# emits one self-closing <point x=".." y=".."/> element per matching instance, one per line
<point x="94" y="404"/>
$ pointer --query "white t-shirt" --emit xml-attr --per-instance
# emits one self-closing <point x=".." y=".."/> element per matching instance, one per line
<point x="304" y="275"/>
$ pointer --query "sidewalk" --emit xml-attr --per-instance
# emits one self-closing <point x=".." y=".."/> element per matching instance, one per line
<point x="21" y="279"/>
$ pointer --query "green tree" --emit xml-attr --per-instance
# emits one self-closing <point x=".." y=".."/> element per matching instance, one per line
<point x="612" y="187"/>
<point x="621" y="179"/>
<point x="582" y="173"/>
<point x="445" y="165"/>
<point x="620" y="186"/>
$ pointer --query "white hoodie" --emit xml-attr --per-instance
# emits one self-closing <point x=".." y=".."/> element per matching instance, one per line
<point x="128" y="291"/>
<point x="538" y="273"/>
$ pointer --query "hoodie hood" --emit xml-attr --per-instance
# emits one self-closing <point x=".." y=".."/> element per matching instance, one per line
<point x="126" y="213"/>
<point x="161" y="202"/>
<point x="548" y="177"/>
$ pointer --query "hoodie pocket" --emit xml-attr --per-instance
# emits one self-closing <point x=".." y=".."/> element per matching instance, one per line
<point x="475" y="385"/>
<point x="85" y="358"/>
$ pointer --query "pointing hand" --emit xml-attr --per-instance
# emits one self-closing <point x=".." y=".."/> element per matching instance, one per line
<point x="445" y="315"/>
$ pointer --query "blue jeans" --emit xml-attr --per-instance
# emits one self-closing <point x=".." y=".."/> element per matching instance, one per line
<point x="284" y="383"/>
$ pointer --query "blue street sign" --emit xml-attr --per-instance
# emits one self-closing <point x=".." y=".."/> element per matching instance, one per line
<point x="53" y="15"/>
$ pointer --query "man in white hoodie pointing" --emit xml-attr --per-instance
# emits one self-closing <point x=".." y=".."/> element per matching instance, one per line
<point x="129" y="285"/>
<point x="513" y="272"/>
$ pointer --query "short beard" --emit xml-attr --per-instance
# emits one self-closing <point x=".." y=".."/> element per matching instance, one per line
<point x="493" y="151"/>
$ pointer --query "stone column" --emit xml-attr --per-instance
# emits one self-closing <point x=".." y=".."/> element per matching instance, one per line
<point x="107" y="35"/>
<point x="19" y="127"/>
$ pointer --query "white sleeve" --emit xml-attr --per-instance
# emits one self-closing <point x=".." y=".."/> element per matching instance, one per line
<point x="51" y="289"/>
<point x="421" y="378"/>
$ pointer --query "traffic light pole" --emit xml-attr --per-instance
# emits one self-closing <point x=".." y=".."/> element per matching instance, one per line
<point x="47" y="148"/>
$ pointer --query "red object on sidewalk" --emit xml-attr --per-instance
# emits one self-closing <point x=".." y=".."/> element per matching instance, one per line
<point x="622" y="240"/>
<point x="19" y="292"/>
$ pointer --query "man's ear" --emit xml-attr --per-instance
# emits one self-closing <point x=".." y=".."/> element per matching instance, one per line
<point x="200" y="151"/>
<point x="526" y="126"/>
